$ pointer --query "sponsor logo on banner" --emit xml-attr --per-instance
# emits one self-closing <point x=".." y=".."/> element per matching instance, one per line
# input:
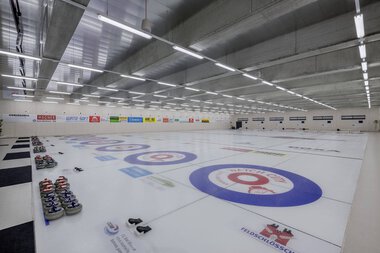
<point x="94" y="119"/>
<point x="165" y="120"/>
<point x="191" y="120"/>
<point x="149" y="120"/>
<point x="205" y="121"/>
<point x="46" y="118"/>
<point x="114" y="119"/>
<point x="111" y="228"/>
<point x="123" y="119"/>
<point x="83" y="119"/>
<point x="135" y="119"/>
<point x="19" y="117"/>
<point x="273" y="237"/>
<point x="159" y="120"/>
<point x="104" y="118"/>
<point x="72" y="119"/>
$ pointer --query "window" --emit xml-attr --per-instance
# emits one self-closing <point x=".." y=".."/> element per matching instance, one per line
<point x="276" y="119"/>
<point x="258" y="119"/>
<point x="353" y="117"/>
<point x="323" y="118"/>
<point x="302" y="118"/>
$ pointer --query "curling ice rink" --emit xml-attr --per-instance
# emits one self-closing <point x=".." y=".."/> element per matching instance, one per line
<point x="204" y="191"/>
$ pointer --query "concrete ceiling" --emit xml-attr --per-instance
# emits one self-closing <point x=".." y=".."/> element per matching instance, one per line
<point x="304" y="46"/>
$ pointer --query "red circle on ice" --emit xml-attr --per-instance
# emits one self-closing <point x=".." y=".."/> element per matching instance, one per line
<point x="234" y="177"/>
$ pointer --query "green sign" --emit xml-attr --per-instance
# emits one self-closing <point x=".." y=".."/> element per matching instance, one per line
<point x="114" y="119"/>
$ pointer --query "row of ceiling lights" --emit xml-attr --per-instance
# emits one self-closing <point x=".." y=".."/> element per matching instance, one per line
<point x="175" y="47"/>
<point x="155" y="95"/>
<point x="360" y="33"/>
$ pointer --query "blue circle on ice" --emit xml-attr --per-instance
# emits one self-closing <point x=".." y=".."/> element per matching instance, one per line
<point x="122" y="147"/>
<point x="160" y="158"/>
<point x="302" y="191"/>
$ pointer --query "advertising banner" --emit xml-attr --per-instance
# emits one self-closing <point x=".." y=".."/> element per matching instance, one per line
<point x="149" y="120"/>
<point x="191" y="120"/>
<point x="94" y="119"/>
<point x="19" y="117"/>
<point x="114" y="119"/>
<point x="123" y="119"/>
<point x="165" y="120"/>
<point x="204" y="120"/>
<point x="135" y="119"/>
<point x="46" y="118"/>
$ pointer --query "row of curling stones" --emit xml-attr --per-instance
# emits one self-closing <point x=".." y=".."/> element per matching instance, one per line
<point x="57" y="199"/>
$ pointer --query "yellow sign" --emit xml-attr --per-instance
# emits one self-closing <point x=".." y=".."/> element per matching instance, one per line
<point x="205" y="121"/>
<point x="149" y="120"/>
<point x="123" y="119"/>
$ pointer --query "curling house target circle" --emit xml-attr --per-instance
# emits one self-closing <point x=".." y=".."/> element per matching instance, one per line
<point x="101" y="142"/>
<point x="122" y="147"/>
<point x="255" y="185"/>
<point x="160" y="158"/>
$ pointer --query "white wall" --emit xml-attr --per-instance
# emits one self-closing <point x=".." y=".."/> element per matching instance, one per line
<point x="336" y="123"/>
<point x="218" y="121"/>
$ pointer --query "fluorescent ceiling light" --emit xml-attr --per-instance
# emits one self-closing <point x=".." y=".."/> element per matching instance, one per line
<point x="134" y="77"/>
<point x="56" y="98"/>
<point x="19" y="88"/>
<point x="212" y="93"/>
<point x="188" y="52"/>
<point x="155" y="102"/>
<point x="208" y="102"/>
<point x="167" y="84"/>
<point x="195" y="100"/>
<point x="91" y="96"/>
<point x="280" y="88"/>
<point x="249" y="76"/>
<point x="49" y="102"/>
<point x="116" y="98"/>
<point x="225" y="67"/>
<point x="20" y="77"/>
<point x="111" y="106"/>
<point x="137" y="93"/>
<point x="93" y="105"/>
<point x="159" y="96"/>
<point x="240" y="98"/>
<point x="219" y="103"/>
<point x="364" y="66"/>
<point x="291" y="92"/>
<point x="124" y="27"/>
<point x="20" y="55"/>
<point x="59" y="92"/>
<point x="70" y="84"/>
<point x="362" y="51"/>
<point x="23" y="96"/>
<point x="188" y="88"/>
<point x="138" y="100"/>
<point x="23" y="100"/>
<point x="366" y="83"/>
<point x="359" y="24"/>
<point x="72" y="104"/>
<point x="171" y="103"/>
<point x="268" y="83"/>
<point x="85" y="68"/>
<point x="82" y="100"/>
<point x="107" y="89"/>
<point x="227" y="96"/>
<point x="365" y="76"/>
<point x="177" y="98"/>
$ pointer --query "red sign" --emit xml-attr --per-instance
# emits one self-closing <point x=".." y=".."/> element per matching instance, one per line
<point x="165" y="120"/>
<point x="191" y="120"/>
<point x="46" y="117"/>
<point x="94" y="119"/>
